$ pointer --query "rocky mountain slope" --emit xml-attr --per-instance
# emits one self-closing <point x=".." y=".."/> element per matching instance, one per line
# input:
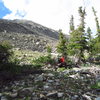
<point x="26" y="34"/>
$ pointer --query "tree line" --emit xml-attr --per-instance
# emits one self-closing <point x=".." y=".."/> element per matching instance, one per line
<point x="81" y="41"/>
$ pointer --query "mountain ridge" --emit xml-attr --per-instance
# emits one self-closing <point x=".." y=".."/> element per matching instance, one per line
<point x="26" y="26"/>
<point x="25" y="34"/>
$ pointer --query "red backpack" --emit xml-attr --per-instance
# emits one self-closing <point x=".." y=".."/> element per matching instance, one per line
<point x="62" y="59"/>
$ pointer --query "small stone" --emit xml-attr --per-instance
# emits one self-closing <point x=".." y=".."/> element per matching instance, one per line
<point x="52" y="94"/>
<point x="33" y="94"/>
<point x="45" y="87"/>
<point x="42" y="96"/>
<point x="75" y="97"/>
<point x="3" y="98"/>
<point x="50" y="75"/>
<point x="87" y="97"/>
<point x="60" y="94"/>
<point x="37" y="43"/>
<point x="50" y="81"/>
<point x="0" y="94"/>
<point x="13" y="95"/>
<point x="57" y="83"/>
<point x="39" y="78"/>
<point x="35" y="98"/>
<point x="25" y="92"/>
<point x="48" y="88"/>
<point x="98" y="98"/>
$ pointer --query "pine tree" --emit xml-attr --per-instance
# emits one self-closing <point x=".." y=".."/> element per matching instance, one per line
<point x="71" y="50"/>
<point x="90" y="42"/>
<point x="72" y="27"/>
<point x="89" y="34"/>
<point x="78" y="42"/>
<point x="82" y="14"/>
<point x="62" y="45"/>
<point x="97" y="39"/>
<point x="49" y="50"/>
<point x="82" y="37"/>
<point x="97" y="22"/>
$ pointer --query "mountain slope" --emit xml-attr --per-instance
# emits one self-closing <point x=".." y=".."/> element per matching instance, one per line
<point x="27" y="27"/>
<point x="25" y="34"/>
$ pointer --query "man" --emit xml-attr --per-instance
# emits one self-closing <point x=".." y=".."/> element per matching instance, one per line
<point x="61" y="62"/>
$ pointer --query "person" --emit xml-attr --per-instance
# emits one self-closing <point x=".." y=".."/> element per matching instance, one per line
<point x="61" y="62"/>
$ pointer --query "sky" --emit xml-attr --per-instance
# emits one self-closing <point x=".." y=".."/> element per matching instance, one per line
<point x="54" y="14"/>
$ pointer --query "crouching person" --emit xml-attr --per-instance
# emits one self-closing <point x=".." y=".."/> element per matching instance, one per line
<point x="61" y="62"/>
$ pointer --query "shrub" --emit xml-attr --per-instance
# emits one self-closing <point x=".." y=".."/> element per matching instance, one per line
<point x="96" y="86"/>
<point x="5" y="52"/>
<point x="42" y="60"/>
<point x="8" y="62"/>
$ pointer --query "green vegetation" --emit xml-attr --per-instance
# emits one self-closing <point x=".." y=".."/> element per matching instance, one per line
<point x="42" y="60"/>
<point x="7" y="60"/>
<point x="96" y="40"/>
<point x="61" y="69"/>
<point x="62" y="45"/>
<point x="81" y="44"/>
<point x="96" y="86"/>
<point x="78" y="44"/>
<point x="5" y="52"/>
<point x="27" y="56"/>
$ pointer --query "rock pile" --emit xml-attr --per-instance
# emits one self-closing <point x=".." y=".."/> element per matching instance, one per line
<point x="27" y="41"/>
<point x="65" y="85"/>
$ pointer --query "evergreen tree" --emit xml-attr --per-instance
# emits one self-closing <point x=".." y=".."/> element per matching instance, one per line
<point x="90" y="42"/>
<point x="72" y="24"/>
<point x="89" y="34"/>
<point x="62" y="45"/>
<point x="78" y="42"/>
<point x="49" y="50"/>
<point x="97" y="39"/>
<point x="81" y="35"/>
<point x="97" y="22"/>
<point x="71" y="50"/>
<point x="82" y="14"/>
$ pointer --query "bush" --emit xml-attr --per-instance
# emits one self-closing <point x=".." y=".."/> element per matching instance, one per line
<point x="96" y="86"/>
<point x="5" y="52"/>
<point x="8" y="62"/>
<point x="42" y="60"/>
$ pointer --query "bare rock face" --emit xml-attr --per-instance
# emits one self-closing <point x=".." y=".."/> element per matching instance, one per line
<point x="26" y="34"/>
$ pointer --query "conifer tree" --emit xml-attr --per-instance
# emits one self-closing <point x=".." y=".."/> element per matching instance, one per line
<point x="82" y="14"/>
<point x="71" y="50"/>
<point x="90" y="42"/>
<point x="97" y="39"/>
<point x="62" y="45"/>
<point x="89" y="34"/>
<point x="78" y="42"/>
<point x="72" y="27"/>
<point x="97" y="22"/>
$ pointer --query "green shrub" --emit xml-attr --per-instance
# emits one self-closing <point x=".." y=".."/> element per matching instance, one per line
<point x="8" y="62"/>
<point x="96" y="86"/>
<point x="61" y="69"/>
<point x="5" y="52"/>
<point x="42" y="60"/>
<point x="13" y="59"/>
<point x="49" y="49"/>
